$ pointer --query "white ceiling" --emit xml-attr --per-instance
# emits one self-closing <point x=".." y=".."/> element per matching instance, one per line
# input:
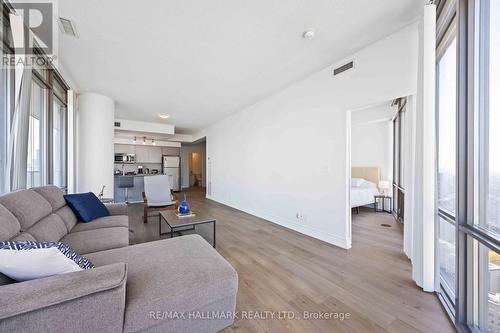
<point x="200" y="61"/>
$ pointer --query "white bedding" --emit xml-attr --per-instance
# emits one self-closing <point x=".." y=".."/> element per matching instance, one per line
<point x="363" y="195"/>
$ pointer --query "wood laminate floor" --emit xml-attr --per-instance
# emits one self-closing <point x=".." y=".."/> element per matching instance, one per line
<point x="289" y="274"/>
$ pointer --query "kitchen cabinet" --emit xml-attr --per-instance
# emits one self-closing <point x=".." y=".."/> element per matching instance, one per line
<point x="148" y="154"/>
<point x="172" y="151"/>
<point x="155" y="155"/>
<point x="124" y="149"/>
<point x="141" y="154"/>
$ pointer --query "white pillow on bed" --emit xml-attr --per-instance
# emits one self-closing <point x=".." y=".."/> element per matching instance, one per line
<point x="368" y="184"/>
<point x="357" y="182"/>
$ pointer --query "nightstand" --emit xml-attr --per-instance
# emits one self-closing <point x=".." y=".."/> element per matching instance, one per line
<point x="376" y="199"/>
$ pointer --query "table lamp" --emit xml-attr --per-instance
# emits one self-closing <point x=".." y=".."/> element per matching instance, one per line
<point x="384" y="185"/>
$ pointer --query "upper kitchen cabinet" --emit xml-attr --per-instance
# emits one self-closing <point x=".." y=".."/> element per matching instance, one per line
<point x="173" y="151"/>
<point x="155" y="155"/>
<point x="124" y="149"/>
<point x="148" y="154"/>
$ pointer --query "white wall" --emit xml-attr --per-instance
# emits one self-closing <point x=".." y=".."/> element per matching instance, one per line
<point x="288" y="154"/>
<point x="95" y="152"/>
<point x="186" y="151"/>
<point x="371" y="139"/>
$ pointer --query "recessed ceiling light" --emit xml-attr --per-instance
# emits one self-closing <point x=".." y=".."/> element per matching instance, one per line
<point x="309" y="34"/>
<point x="163" y="115"/>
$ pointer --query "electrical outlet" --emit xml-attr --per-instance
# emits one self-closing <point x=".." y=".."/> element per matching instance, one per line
<point x="301" y="217"/>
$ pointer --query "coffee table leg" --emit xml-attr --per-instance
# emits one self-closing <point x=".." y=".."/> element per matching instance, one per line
<point x="171" y="232"/>
<point x="214" y="234"/>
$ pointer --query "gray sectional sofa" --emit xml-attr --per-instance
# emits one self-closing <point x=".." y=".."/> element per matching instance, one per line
<point x="172" y="285"/>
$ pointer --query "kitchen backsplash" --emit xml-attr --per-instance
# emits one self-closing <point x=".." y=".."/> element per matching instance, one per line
<point x="133" y="167"/>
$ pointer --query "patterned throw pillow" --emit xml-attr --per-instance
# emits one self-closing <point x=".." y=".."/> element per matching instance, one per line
<point x="27" y="260"/>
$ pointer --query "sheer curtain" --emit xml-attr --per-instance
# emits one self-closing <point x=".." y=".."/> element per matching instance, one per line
<point x="424" y="159"/>
<point x="17" y="145"/>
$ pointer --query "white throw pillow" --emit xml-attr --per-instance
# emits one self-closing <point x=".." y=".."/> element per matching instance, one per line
<point x="26" y="260"/>
<point x="357" y="182"/>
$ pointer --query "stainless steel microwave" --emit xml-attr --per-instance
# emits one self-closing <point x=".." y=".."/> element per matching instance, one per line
<point x="124" y="158"/>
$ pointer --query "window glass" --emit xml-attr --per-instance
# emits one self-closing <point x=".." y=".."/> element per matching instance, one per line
<point x="5" y="90"/>
<point x="489" y="114"/>
<point x="36" y="136"/>
<point x="447" y="265"/>
<point x="59" y="144"/>
<point x="446" y="117"/>
<point x="487" y="289"/>
<point x="396" y="150"/>
<point x="402" y="121"/>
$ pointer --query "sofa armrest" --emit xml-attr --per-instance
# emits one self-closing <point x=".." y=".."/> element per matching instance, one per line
<point x="56" y="300"/>
<point x="117" y="208"/>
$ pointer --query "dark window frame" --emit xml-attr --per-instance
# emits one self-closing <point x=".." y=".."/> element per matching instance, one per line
<point x="469" y="235"/>
<point x="397" y="160"/>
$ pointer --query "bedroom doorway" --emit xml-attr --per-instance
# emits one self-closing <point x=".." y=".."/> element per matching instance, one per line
<point x="371" y="168"/>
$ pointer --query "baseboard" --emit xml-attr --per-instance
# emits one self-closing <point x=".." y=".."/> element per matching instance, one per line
<point x="306" y="230"/>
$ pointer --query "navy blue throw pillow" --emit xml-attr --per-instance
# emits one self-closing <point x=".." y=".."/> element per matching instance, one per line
<point x="86" y="206"/>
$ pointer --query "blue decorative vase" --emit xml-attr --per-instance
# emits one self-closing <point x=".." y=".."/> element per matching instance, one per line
<point x="184" y="206"/>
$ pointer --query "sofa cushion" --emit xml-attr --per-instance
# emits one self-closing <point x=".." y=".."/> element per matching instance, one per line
<point x="9" y="225"/>
<point x="68" y="217"/>
<point x="86" y="206"/>
<point x="53" y="194"/>
<point x="103" y="222"/>
<point x="24" y="236"/>
<point x="182" y="274"/>
<point x="89" y="241"/>
<point x="49" y="229"/>
<point x="27" y="206"/>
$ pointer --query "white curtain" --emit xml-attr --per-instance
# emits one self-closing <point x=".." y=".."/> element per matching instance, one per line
<point x="17" y="149"/>
<point x="17" y="145"/>
<point x="422" y="229"/>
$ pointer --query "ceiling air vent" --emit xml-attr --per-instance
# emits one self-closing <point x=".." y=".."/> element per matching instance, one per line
<point x="118" y="124"/>
<point x="343" y="68"/>
<point x="67" y="27"/>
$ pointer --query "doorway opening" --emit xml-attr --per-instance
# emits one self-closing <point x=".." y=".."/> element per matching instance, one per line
<point x="375" y="143"/>
<point x="195" y="166"/>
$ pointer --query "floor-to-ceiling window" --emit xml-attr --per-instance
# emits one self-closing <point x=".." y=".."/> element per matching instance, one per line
<point x="6" y="99"/>
<point x="47" y="125"/>
<point x="47" y="145"/>
<point x="484" y="114"/>
<point x="399" y="137"/>
<point x="37" y="135"/>
<point x="59" y="121"/>
<point x="446" y="121"/>
<point x="468" y="119"/>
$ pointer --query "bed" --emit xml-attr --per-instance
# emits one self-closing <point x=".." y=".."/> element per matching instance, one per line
<point x="364" y="182"/>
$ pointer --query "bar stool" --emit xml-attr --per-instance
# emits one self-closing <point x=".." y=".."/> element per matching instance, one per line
<point x="125" y="183"/>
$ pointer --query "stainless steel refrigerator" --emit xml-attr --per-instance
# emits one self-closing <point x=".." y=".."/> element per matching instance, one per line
<point x="172" y="168"/>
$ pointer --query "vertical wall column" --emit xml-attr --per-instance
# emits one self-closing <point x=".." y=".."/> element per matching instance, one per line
<point x="95" y="146"/>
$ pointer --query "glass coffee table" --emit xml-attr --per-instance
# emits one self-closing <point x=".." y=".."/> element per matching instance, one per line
<point x="175" y="222"/>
